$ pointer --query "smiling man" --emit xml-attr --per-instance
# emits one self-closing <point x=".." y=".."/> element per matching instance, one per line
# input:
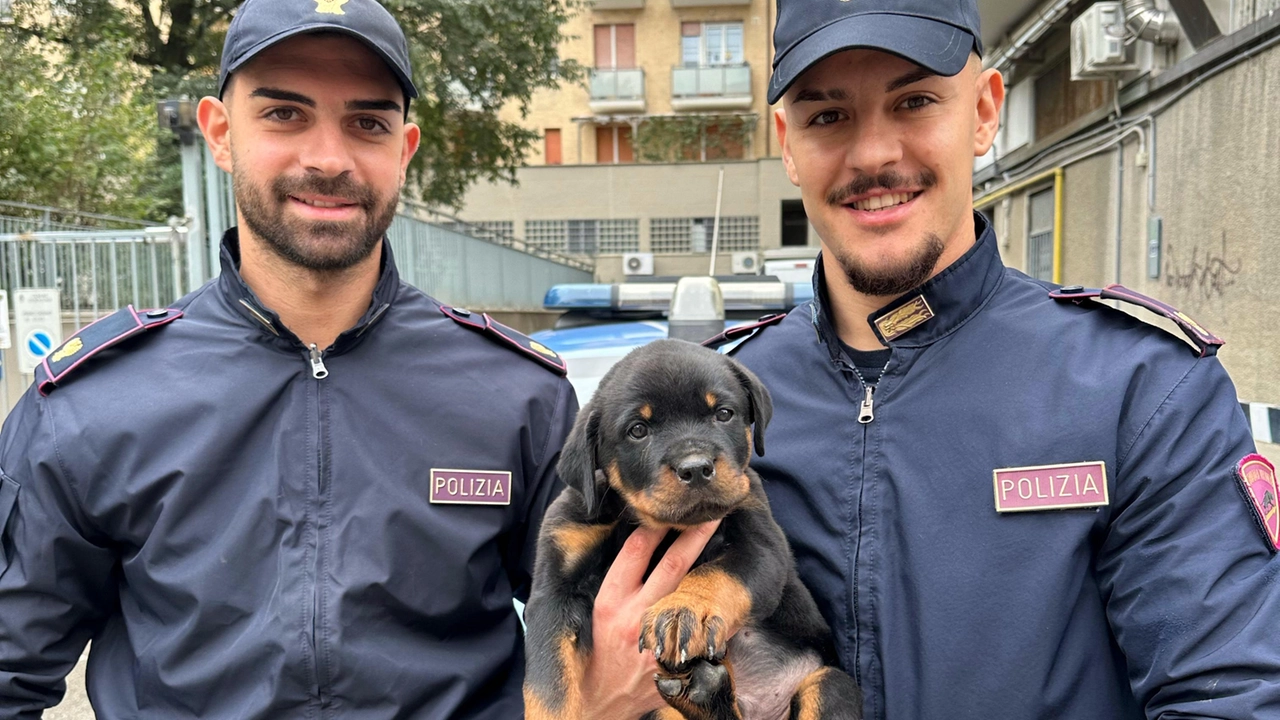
<point x="1009" y="500"/>
<point x="306" y="490"/>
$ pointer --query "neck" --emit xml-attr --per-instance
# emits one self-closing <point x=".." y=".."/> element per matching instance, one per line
<point x="317" y="306"/>
<point x="851" y="309"/>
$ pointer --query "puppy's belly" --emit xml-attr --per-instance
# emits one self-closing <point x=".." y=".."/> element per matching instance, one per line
<point x="766" y="673"/>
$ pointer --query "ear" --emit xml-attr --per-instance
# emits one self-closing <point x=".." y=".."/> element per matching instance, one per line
<point x="761" y="403"/>
<point x="214" y="119"/>
<point x="780" y="124"/>
<point x="990" y="94"/>
<point x="578" y="467"/>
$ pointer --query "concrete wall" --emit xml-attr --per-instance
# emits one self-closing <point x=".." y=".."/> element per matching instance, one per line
<point x="1216" y="164"/>
<point x="642" y="192"/>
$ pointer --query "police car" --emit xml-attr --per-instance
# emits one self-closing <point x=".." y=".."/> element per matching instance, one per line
<point x="602" y="322"/>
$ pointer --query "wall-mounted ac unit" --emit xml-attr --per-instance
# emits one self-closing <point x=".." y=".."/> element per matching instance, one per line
<point x="637" y="263"/>
<point x="1098" y="46"/>
<point x="746" y="263"/>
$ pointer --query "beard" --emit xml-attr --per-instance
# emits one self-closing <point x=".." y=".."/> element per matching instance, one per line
<point x="900" y="277"/>
<point x="314" y="245"/>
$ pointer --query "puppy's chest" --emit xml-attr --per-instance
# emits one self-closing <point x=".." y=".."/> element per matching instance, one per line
<point x="766" y="673"/>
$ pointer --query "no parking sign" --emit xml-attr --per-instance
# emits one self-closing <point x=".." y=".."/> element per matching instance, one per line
<point x="38" y="321"/>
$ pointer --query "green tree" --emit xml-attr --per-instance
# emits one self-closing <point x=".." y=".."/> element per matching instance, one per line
<point x="471" y="58"/>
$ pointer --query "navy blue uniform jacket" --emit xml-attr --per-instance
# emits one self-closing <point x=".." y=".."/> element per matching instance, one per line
<point x="1162" y="604"/>
<point x="243" y="540"/>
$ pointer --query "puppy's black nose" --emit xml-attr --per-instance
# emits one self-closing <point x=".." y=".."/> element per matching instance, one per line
<point x="694" y="470"/>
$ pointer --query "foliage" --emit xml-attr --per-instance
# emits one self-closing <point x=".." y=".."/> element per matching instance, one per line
<point x="676" y="138"/>
<point x="470" y="57"/>
<point x="77" y="129"/>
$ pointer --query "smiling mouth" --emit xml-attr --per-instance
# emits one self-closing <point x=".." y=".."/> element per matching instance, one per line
<point x="882" y="202"/>
<point x="321" y="203"/>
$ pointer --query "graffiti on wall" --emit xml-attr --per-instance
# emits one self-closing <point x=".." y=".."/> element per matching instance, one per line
<point x="1208" y="272"/>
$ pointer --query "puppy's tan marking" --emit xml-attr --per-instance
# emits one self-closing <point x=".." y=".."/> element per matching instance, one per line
<point x="575" y="541"/>
<point x="711" y="400"/>
<point x="808" y="697"/>
<point x="569" y="705"/>
<point x="646" y="412"/>
<point x="708" y="599"/>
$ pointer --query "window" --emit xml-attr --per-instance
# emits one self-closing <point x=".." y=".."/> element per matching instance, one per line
<point x="795" y="223"/>
<point x="553" y="146"/>
<point x="584" y="237"/>
<point x="613" y="145"/>
<point x="710" y="44"/>
<point x="615" y="46"/>
<point x="546" y="234"/>
<point x="1040" y="235"/>
<point x="686" y="235"/>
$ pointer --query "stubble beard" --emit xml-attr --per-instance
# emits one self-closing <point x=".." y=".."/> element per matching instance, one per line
<point x="896" y="279"/>
<point x="319" y="246"/>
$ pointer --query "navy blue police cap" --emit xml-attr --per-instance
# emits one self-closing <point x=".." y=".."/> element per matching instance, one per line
<point x="259" y="24"/>
<point x="934" y="34"/>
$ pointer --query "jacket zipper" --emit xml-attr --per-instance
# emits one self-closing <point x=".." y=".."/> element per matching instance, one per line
<point x="318" y="370"/>
<point x="315" y="358"/>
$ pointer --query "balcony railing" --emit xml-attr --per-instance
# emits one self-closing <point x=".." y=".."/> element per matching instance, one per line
<point x="711" y="87"/>
<point x="615" y="90"/>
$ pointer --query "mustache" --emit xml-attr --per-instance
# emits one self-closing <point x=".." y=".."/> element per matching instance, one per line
<point x="338" y="186"/>
<point x="889" y="180"/>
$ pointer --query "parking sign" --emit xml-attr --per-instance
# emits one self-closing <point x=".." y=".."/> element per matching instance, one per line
<point x="38" y="322"/>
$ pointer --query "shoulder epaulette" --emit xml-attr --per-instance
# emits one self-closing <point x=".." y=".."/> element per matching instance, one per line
<point x="96" y="337"/>
<point x="1205" y="341"/>
<point x="743" y="332"/>
<point x="508" y="337"/>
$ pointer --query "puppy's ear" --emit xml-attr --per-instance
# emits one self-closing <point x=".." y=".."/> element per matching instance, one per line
<point x="761" y="403"/>
<point x="578" y="467"/>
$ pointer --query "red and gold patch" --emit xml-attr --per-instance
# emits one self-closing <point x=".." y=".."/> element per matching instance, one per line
<point x="1257" y="479"/>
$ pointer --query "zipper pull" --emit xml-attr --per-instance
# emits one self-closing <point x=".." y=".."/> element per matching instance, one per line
<point x="319" y="372"/>
<point x="865" y="411"/>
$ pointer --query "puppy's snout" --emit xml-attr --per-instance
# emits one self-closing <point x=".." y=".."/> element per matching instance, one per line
<point x="695" y="470"/>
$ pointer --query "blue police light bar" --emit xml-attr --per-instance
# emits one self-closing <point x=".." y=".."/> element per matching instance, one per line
<point x="656" y="297"/>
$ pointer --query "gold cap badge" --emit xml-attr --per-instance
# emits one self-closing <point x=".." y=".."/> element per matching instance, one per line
<point x="330" y="7"/>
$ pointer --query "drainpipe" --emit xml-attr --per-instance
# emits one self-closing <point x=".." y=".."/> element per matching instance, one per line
<point x="1147" y="23"/>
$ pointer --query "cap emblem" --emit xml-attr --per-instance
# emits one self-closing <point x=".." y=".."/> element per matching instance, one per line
<point x="331" y="7"/>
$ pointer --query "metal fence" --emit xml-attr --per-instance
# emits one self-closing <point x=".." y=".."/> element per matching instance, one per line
<point x="96" y="271"/>
<point x="20" y="217"/>
<point x="476" y="270"/>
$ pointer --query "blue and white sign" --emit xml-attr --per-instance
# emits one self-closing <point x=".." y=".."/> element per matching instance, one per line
<point x="38" y="322"/>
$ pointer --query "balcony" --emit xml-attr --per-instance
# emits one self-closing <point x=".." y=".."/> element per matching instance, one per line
<point x="617" y="91"/>
<point x="618" y="4"/>
<point x="722" y="87"/>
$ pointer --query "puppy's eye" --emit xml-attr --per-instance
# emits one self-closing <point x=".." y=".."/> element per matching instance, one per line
<point x="639" y="431"/>
<point x="724" y="414"/>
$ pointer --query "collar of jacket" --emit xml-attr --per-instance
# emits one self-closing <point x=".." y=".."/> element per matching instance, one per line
<point x="237" y="292"/>
<point x="949" y="298"/>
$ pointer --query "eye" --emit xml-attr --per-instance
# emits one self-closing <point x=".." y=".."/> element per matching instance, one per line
<point x="724" y="414"/>
<point x="368" y="124"/>
<point x="639" y="431"/>
<point x="282" y="114"/>
<point x="825" y="117"/>
<point x="917" y="102"/>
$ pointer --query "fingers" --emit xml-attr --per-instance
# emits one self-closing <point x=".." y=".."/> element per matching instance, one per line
<point x="627" y="571"/>
<point x="676" y="562"/>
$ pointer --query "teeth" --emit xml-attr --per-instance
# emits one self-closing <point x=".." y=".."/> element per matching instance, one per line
<point x="883" y="201"/>
<point x="320" y="204"/>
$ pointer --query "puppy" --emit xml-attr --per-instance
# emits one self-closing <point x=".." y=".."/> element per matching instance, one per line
<point x="665" y="443"/>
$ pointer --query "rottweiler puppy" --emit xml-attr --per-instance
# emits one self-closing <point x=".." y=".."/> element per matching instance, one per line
<point x="665" y="442"/>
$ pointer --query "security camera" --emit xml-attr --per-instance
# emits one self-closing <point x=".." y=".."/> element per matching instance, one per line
<point x="176" y="115"/>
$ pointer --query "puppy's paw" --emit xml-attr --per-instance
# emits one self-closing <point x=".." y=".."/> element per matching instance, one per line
<point x="684" y="626"/>
<point x="699" y="682"/>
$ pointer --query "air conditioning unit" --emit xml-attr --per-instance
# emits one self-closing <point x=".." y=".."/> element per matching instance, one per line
<point x="637" y="263"/>
<point x="1098" y="46"/>
<point x="746" y="263"/>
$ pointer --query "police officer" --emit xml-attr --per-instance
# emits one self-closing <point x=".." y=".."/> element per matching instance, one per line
<point x="306" y="489"/>
<point x="1010" y="501"/>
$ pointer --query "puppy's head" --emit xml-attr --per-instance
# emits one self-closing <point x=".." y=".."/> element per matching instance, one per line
<point x="670" y="430"/>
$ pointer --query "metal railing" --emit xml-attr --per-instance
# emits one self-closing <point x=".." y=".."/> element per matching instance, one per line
<point x="96" y="271"/>
<point x="711" y="81"/>
<point x="613" y="84"/>
<point x="20" y="217"/>
<point x="468" y="266"/>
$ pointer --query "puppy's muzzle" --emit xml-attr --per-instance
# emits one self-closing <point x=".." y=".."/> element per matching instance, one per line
<point x="695" y="470"/>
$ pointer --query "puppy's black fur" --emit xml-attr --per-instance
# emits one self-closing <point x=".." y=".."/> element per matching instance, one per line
<point x="665" y="442"/>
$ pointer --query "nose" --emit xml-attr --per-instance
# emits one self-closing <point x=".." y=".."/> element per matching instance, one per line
<point x="876" y="145"/>
<point x="696" y="469"/>
<point x="326" y="151"/>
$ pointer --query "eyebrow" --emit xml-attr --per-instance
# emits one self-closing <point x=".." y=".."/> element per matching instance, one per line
<point x="287" y="96"/>
<point x="811" y="95"/>
<point x="909" y="78"/>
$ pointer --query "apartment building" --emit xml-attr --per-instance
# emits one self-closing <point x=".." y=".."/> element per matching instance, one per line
<point x="630" y="159"/>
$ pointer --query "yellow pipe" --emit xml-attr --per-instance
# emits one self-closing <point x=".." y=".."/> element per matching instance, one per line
<point x="1057" y="175"/>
